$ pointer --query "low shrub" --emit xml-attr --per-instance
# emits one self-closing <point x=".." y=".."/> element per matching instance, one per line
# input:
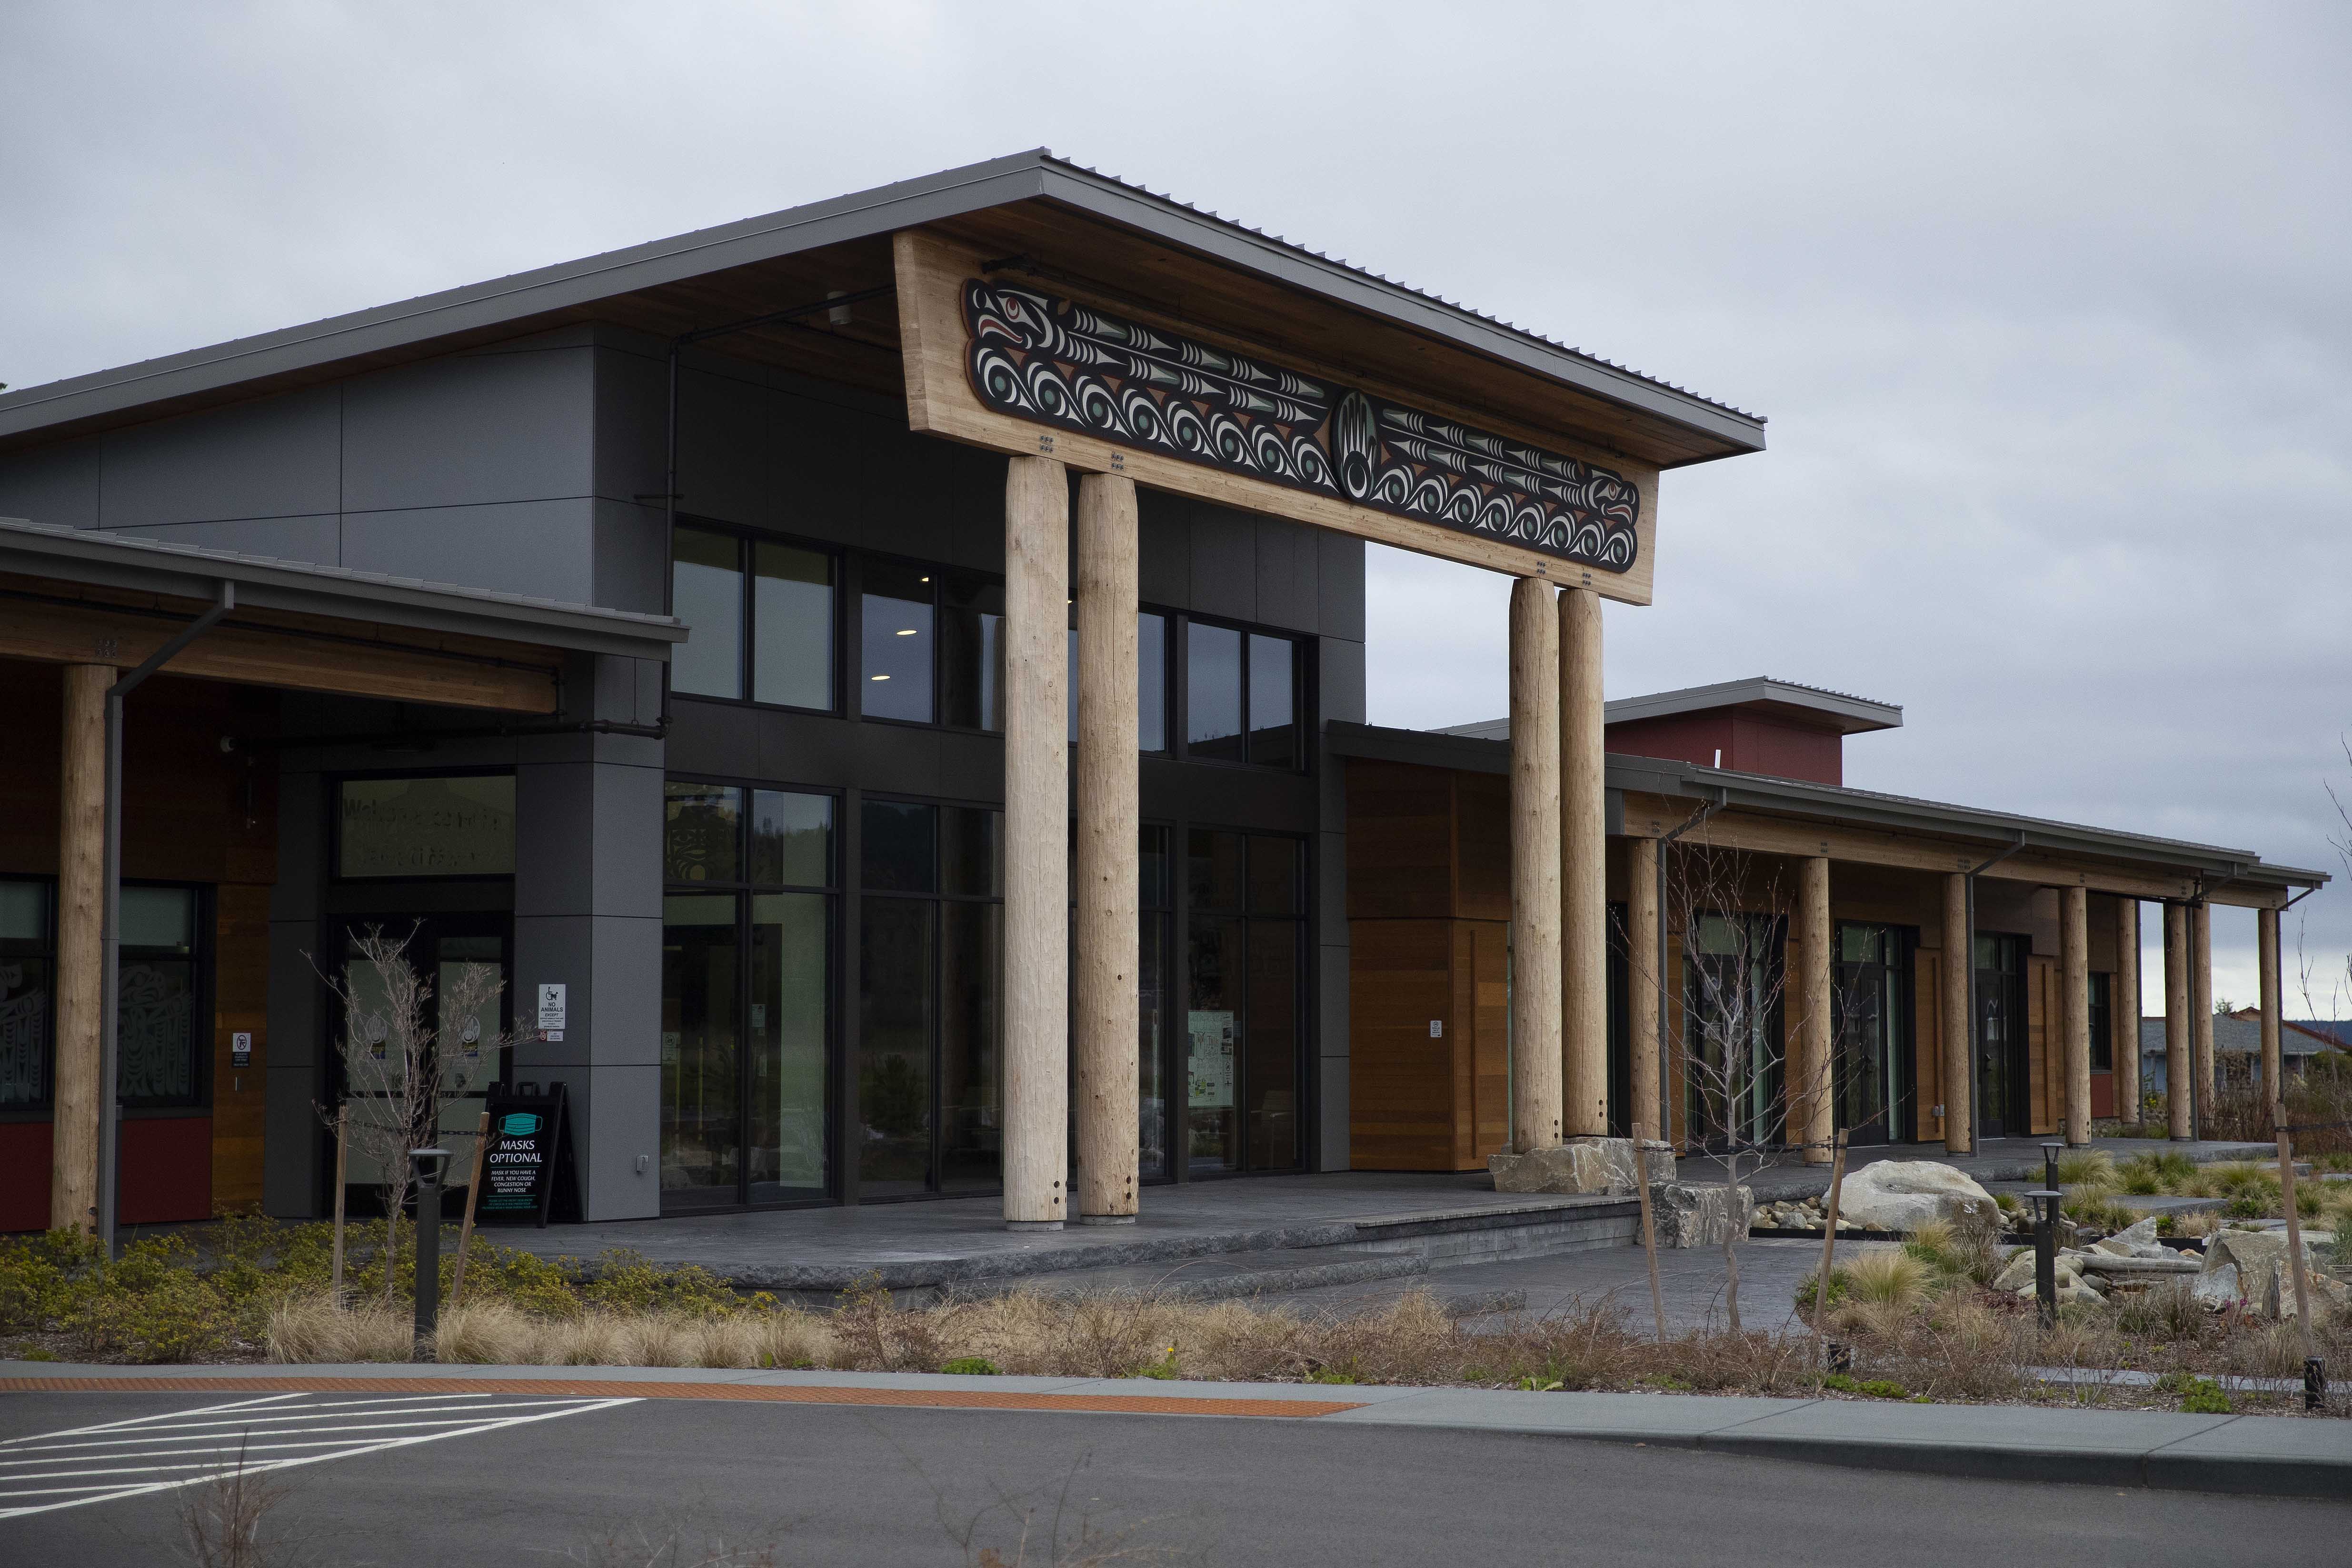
<point x="2085" y="1166"/>
<point x="2203" y="1397"/>
<point x="969" y="1366"/>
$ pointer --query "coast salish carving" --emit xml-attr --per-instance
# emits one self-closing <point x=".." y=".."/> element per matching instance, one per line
<point x="1039" y="357"/>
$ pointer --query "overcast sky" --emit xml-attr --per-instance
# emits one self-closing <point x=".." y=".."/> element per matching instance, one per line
<point x="2047" y="305"/>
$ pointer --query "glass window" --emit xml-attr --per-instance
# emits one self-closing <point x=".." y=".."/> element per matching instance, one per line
<point x="971" y="1067"/>
<point x="896" y="663"/>
<point x="1213" y="869"/>
<point x="1152" y="677"/>
<point x="707" y="594"/>
<point x="702" y="836"/>
<point x="1245" y="1015"/>
<point x="899" y="853"/>
<point x="2103" y="1023"/>
<point x="972" y="851"/>
<point x="971" y="653"/>
<point x="1273" y="685"/>
<point x="162" y="919"/>
<point x="26" y="962"/>
<point x="426" y="827"/>
<point x="791" y="622"/>
<point x="1151" y="1057"/>
<point x="701" y="1065"/>
<point x="1213" y="698"/>
<point x="894" y="1045"/>
<point x="792" y="838"/>
<point x="787" y="1033"/>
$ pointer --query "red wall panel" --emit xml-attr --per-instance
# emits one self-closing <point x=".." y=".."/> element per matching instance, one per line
<point x="24" y="1175"/>
<point x="167" y="1169"/>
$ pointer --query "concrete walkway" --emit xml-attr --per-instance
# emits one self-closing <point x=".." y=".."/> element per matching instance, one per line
<point x="2278" y="1455"/>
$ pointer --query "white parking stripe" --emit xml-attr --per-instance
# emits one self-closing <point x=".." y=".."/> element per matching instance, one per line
<point x="157" y="1453"/>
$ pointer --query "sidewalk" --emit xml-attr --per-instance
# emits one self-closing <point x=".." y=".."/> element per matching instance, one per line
<point x="2270" y="1455"/>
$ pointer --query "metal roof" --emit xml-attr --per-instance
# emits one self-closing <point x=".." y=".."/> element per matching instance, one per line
<point x="100" y="559"/>
<point x="1023" y="176"/>
<point x="1848" y="714"/>
<point x="1797" y="797"/>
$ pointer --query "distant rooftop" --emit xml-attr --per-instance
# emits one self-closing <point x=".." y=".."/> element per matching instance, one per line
<point x="1814" y="706"/>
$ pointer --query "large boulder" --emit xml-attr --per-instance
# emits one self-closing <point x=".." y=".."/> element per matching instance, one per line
<point x="2256" y="1262"/>
<point x="1689" y="1215"/>
<point x="1902" y="1194"/>
<point x="1582" y="1166"/>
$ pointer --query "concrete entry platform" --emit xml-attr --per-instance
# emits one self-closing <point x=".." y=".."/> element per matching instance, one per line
<point x="1240" y="1237"/>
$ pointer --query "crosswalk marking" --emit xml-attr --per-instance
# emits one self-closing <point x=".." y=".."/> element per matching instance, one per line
<point x="156" y="1453"/>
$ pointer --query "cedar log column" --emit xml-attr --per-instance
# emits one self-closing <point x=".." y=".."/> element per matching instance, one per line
<point x="1109" y="896"/>
<point x="1534" y="867"/>
<point x="1959" y="1047"/>
<point x="2176" y="1053"/>
<point x="2122" y="1011"/>
<point x="2201" y="1007"/>
<point x="78" y="1097"/>
<point x="2075" y="969"/>
<point x="1812" y="1106"/>
<point x="1583" y="871"/>
<point x="1036" y="842"/>
<point x="2266" y="960"/>
<point x="1642" y="984"/>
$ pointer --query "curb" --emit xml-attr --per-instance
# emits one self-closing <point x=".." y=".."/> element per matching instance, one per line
<point x="2155" y="1450"/>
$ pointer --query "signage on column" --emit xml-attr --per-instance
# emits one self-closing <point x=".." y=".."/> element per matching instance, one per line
<point x="526" y="1166"/>
<point x="551" y="1012"/>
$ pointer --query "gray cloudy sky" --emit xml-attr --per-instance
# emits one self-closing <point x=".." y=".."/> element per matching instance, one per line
<point x="2047" y="304"/>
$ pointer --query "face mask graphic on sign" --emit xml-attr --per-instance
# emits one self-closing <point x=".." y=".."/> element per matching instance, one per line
<point x="520" y="1123"/>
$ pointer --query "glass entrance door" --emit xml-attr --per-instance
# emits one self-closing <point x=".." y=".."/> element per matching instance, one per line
<point x="442" y="950"/>
<point x="2000" y="1036"/>
<point x="1871" y="1013"/>
<point x="1732" y="980"/>
<point x="1244" y="1008"/>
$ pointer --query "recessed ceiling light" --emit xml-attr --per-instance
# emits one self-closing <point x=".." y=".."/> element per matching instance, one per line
<point x="881" y="677"/>
<point x="907" y="633"/>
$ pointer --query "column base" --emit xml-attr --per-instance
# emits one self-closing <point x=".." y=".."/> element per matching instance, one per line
<point x="1106" y="1219"/>
<point x="1033" y="1225"/>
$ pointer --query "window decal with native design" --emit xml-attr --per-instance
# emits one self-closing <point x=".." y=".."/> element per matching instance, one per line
<point x="1035" y="356"/>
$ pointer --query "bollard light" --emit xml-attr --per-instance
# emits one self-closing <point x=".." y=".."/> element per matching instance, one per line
<point x="2045" y="1202"/>
<point x="2315" y="1383"/>
<point x="429" y="1164"/>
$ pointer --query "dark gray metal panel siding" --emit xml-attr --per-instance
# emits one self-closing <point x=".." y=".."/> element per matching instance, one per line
<point x="317" y="539"/>
<point x="515" y="426"/>
<point x="277" y="457"/>
<point x="1225" y="564"/>
<point x="54" y="485"/>
<point x="541" y="547"/>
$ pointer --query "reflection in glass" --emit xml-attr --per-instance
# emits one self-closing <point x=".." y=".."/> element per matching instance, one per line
<point x="707" y="594"/>
<point x="972" y="851"/>
<point x="971" y="1067"/>
<point x="1274" y="867"/>
<point x="792" y="838"/>
<point x="1866" y="1013"/>
<point x="1213" y="869"/>
<point x="972" y="654"/>
<point x="896" y="662"/>
<point x="1151" y="680"/>
<point x="1273" y="685"/>
<point x="1215" y="982"/>
<point x="1731" y="987"/>
<point x="787" y="1034"/>
<point x="701" y="1120"/>
<point x="898" y="854"/>
<point x="792" y="621"/>
<point x="1212" y="699"/>
<point x="1271" y="1051"/>
<point x="25" y="963"/>
<point x="702" y="832"/>
<point x="1150" y="1047"/>
<point x="894" y="1047"/>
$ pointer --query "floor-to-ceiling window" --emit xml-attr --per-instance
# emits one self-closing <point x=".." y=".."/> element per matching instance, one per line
<point x="1245" y="991"/>
<point x="1870" y="1015"/>
<point x="1733" y="969"/>
<point x="2001" y="1037"/>
<point x="1157" y="887"/>
<point x="930" y="1066"/>
<point x="747" y="961"/>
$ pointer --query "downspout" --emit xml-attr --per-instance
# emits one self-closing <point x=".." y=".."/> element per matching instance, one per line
<point x="1968" y="955"/>
<point x="109" y="1121"/>
<point x="1666" y="1094"/>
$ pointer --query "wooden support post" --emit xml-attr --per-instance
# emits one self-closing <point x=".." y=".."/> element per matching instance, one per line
<point x="2200" y="1008"/>
<point x="1643" y="992"/>
<point x="1583" y="871"/>
<point x="78" y="1097"/>
<point x="1036" y="843"/>
<point x="2177" y="1066"/>
<point x="1811" y="1103"/>
<point x="1959" y="1052"/>
<point x="1829" y="1240"/>
<point x="1108" y="891"/>
<point x="2122" y="1011"/>
<point x="2266" y="959"/>
<point x="2075" y="968"/>
<point x="1534" y="867"/>
<point x="473" y="1203"/>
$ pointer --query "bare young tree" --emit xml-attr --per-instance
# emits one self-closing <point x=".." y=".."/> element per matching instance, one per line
<point x="398" y="1069"/>
<point x="1745" y="1102"/>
